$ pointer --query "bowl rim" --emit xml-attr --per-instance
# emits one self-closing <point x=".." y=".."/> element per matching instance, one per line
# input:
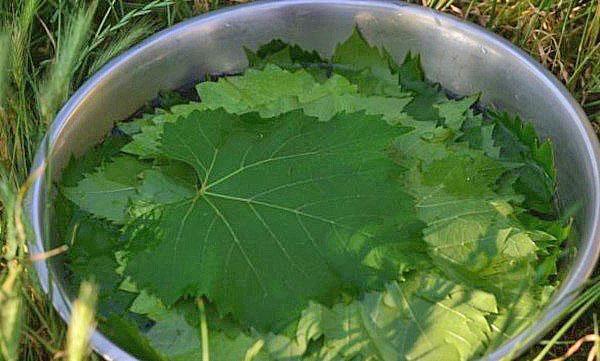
<point x="561" y="299"/>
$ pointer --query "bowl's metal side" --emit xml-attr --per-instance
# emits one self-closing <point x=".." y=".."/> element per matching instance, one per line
<point x="463" y="57"/>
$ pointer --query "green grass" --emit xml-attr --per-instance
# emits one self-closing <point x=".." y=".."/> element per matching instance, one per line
<point x="49" y="47"/>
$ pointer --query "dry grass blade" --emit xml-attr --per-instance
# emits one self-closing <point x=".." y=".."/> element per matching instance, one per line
<point x="577" y="345"/>
<point x="594" y="29"/>
<point x="49" y="254"/>
<point x="56" y="88"/>
<point x="582" y="303"/>
<point x="11" y="312"/>
<point x="254" y="350"/>
<point x="82" y="322"/>
<point x="11" y="303"/>
<point x="4" y="61"/>
<point x="5" y="133"/>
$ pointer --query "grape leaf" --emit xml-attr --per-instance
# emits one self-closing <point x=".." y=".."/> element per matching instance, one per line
<point x="289" y="57"/>
<point x="274" y="210"/>
<point x="355" y="55"/>
<point x="176" y="338"/>
<point x="425" y="318"/>
<point x="66" y="213"/>
<point x="107" y="192"/>
<point x="169" y="98"/>
<point x="91" y="256"/>
<point x="308" y="328"/>
<point x="453" y="112"/>
<point x="468" y="224"/>
<point x="515" y="316"/>
<point x="471" y="230"/>
<point x="363" y="64"/>
<point x="173" y="338"/>
<point x="146" y="131"/>
<point x="146" y="141"/>
<point x="113" y="187"/>
<point x="133" y="127"/>
<point x="369" y="68"/>
<point x="78" y="167"/>
<point x="324" y="108"/>
<point x="163" y="186"/>
<point x="411" y="72"/>
<point x="425" y="142"/>
<point x="479" y="134"/>
<point x="91" y="242"/>
<point x="148" y="305"/>
<point x="128" y="336"/>
<point x="536" y="178"/>
<point x="273" y="91"/>
<point x="425" y="95"/>
<point x="270" y="91"/>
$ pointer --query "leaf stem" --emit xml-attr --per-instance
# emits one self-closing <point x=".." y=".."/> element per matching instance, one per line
<point x="203" y="329"/>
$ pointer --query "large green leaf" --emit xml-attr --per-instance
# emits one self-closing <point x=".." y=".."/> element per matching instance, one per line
<point x="275" y="212"/>
<point x="370" y="68"/>
<point x="293" y="348"/>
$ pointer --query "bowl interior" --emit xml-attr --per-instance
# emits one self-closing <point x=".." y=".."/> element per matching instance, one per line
<point x="462" y="57"/>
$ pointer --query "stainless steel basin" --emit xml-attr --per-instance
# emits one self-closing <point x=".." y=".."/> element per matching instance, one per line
<point x="461" y="56"/>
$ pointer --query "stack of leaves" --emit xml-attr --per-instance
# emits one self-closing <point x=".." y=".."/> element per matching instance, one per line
<point x="315" y="209"/>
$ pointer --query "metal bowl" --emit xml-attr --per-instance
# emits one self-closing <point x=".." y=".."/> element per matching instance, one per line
<point x="461" y="56"/>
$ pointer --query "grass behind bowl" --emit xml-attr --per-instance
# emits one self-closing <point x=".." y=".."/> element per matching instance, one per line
<point x="49" y="47"/>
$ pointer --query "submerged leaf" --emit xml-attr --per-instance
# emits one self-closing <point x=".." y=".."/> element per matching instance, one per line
<point x="107" y="192"/>
<point x="536" y="178"/>
<point x="355" y="55"/>
<point x="288" y="57"/>
<point x="424" y="318"/>
<point x="273" y="91"/>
